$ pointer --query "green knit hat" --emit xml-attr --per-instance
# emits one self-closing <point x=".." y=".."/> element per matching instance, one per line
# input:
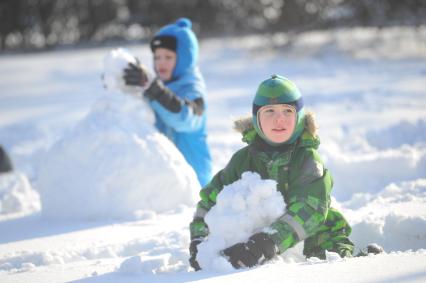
<point x="279" y="90"/>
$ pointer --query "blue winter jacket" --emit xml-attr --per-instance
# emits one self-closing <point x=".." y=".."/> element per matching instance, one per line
<point x="184" y="127"/>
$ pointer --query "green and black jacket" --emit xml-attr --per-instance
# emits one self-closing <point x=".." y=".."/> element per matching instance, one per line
<point x="301" y="178"/>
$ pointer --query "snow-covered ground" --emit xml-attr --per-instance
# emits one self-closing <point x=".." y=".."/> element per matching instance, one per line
<point x="366" y="86"/>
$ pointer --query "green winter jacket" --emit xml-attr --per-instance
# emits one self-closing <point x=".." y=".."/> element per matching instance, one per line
<point x="301" y="178"/>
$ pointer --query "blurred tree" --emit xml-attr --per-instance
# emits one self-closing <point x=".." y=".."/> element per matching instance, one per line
<point x="387" y="12"/>
<point x="26" y="24"/>
<point x="9" y="21"/>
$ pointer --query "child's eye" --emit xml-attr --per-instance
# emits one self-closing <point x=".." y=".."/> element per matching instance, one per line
<point x="288" y="112"/>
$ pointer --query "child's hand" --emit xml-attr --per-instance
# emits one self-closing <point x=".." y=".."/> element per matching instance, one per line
<point x="257" y="250"/>
<point x="137" y="75"/>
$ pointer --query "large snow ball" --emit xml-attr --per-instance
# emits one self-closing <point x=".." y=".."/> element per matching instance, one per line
<point x="242" y="209"/>
<point x="114" y="64"/>
<point x="16" y="194"/>
<point x="114" y="164"/>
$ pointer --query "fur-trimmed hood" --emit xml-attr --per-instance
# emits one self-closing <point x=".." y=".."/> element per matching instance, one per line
<point x="244" y="126"/>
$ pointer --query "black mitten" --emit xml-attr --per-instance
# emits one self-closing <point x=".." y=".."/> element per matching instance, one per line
<point x="193" y="253"/>
<point x="257" y="250"/>
<point x="137" y="75"/>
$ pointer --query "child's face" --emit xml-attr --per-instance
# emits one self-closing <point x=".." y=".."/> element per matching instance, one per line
<point x="164" y="63"/>
<point x="277" y="122"/>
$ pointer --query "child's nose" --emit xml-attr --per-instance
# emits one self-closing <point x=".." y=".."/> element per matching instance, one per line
<point x="279" y="116"/>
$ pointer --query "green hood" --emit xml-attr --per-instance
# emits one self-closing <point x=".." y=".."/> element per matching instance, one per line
<point x="279" y="90"/>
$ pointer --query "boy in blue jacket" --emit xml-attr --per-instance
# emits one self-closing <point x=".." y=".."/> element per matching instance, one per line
<point x="177" y="93"/>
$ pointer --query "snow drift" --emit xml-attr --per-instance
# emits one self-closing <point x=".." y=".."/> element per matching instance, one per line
<point x="17" y="194"/>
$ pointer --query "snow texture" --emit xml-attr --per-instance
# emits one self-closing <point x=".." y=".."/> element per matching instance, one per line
<point x="243" y="208"/>
<point x="114" y="64"/>
<point x="17" y="194"/>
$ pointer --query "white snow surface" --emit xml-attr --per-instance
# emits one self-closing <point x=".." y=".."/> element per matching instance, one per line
<point x="17" y="195"/>
<point x="75" y="210"/>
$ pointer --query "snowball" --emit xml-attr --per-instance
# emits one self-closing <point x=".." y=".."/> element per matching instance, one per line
<point x="114" y="64"/>
<point x="243" y="208"/>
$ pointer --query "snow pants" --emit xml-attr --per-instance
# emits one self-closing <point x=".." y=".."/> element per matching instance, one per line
<point x="331" y="236"/>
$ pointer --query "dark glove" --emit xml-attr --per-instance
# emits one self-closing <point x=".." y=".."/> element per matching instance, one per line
<point x="161" y="93"/>
<point x="137" y="75"/>
<point x="193" y="253"/>
<point x="5" y="162"/>
<point x="199" y="231"/>
<point x="257" y="250"/>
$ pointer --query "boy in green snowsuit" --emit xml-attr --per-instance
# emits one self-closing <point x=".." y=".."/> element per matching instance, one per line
<point x="282" y="145"/>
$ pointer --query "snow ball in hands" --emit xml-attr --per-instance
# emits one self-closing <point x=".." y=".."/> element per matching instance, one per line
<point x="242" y="209"/>
<point x="114" y="64"/>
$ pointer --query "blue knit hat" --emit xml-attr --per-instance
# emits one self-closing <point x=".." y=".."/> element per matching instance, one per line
<point x="186" y="45"/>
<point x="279" y="90"/>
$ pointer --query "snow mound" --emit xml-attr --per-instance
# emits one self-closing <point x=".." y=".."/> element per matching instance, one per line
<point x="403" y="133"/>
<point x="114" y="163"/>
<point x="394" y="218"/>
<point x="27" y="143"/>
<point x="17" y="195"/>
<point x="243" y="208"/>
<point x="402" y="164"/>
